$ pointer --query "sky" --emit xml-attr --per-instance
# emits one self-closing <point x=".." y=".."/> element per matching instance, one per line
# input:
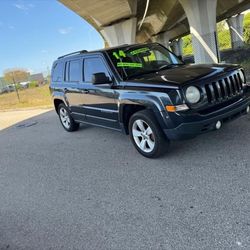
<point x="33" y="33"/>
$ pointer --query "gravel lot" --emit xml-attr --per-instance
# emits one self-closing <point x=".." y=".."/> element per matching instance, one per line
<point x="92" y="190"/>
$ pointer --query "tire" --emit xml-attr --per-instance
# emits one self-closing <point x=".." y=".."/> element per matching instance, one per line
<point x="66" y="119"/>
<point x="146" y="134"/>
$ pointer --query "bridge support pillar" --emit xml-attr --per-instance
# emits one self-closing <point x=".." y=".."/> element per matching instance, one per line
<point x="235" y="24"/>
<point x="120" y="33"/>
<point x="201" y="16"/>
<point x="176" y="46"/>
<point x="162" y="39"/>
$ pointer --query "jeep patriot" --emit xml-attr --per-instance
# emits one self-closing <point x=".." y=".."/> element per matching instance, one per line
<point x="147" y="92"/>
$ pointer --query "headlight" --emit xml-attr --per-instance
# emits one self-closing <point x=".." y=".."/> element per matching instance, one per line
<point x="193" y="94"/>
<point x="242" y="76"/>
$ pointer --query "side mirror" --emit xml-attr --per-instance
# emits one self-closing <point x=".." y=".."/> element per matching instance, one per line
<point x="100" y="78"/>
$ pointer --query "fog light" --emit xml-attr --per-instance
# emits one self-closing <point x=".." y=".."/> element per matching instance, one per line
<point x="248" y="109"/>
<point x="218" y="125"/>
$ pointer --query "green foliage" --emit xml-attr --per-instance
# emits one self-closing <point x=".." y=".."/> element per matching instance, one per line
<point x="18" y="86"/>
<point x="187" y="45"/>
<point x="247" y="35"/>
<point x="223" y="34"/>
<point x="246" y="21"/>
<point x="224" y="38"/>
<point x="246" y="24"/>
<point x="33" y="84"/>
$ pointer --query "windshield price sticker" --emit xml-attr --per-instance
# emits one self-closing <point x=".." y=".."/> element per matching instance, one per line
<point x="138" y="51"/>
<point x="129" y="64"/>
<point x="121" y="54"/>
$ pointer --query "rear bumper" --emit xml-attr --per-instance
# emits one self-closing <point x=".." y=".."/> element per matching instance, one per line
<point x="203" y="124"/>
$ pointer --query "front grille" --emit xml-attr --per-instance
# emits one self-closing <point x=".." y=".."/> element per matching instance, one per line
<point x="224" y="89"/>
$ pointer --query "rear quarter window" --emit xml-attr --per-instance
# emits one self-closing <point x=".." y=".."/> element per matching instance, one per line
<point x="73" y="71"/>
<point x="57" y="73"/>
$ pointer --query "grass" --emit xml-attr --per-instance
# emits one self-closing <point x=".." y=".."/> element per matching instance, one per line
<point x="29" y="98"/>
<point x="224" y="38"/>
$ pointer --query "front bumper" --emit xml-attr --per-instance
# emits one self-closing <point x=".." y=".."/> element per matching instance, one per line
<point x="202" y="124"/>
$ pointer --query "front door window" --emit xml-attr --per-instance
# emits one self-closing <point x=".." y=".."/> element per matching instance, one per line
<point x="92" y="66"/>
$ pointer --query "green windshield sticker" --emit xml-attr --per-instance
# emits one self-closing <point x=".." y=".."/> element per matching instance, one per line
<point x="119" y="54"/>
<point x="116" y="55"/>
<point x="129" y="64"/>
<point x="122" y="53"/>
<point x="150" y="58"/>
<point x="138" y="51"/>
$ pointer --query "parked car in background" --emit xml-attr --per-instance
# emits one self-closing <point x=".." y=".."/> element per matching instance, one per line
<point x="3" y="90"/>
<point x="11" y="87"/>
<point x="24" y="85"/>
<point x="7" y="89"/>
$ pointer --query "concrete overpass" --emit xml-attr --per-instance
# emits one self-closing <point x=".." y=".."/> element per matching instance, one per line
<point x="130" y="21"/>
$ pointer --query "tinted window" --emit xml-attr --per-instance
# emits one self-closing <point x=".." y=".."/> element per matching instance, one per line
<point x="57" y="72"/>
<point x="92" y="66"/>
<point x="74" y="71"/>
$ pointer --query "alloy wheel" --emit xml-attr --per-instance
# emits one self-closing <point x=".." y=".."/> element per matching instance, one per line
<point x="64" y="116"/>
<point x="143" y="136"/>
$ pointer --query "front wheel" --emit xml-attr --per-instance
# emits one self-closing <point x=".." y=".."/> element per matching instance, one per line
<point x="146" y="134"/>
<point x="67" y="121"/>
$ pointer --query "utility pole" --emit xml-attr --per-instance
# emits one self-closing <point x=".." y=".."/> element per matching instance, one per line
<point x="13" y="78"/>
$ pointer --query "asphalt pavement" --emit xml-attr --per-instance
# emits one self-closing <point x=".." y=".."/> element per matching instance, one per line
<point x="91" y="190"/>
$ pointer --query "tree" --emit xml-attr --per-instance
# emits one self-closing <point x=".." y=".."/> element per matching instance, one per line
<point x="14" y="76"/>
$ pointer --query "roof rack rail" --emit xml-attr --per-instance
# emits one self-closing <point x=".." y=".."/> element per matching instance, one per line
<point x="73" y="53"/>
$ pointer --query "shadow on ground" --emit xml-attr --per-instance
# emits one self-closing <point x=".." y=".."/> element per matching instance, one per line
<point x="91" y="190"/>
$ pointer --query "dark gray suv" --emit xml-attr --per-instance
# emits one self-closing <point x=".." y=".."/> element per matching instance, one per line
<point x="146" y="91"/>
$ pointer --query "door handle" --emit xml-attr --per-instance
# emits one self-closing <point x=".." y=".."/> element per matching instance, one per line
<point x="85" y="91"/>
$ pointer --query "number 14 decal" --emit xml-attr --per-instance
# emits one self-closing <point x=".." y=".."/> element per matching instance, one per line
<point x="119" y="54"/>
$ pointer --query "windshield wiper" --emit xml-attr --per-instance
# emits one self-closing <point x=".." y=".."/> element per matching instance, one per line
<point x="141" y="73"/>
<point x="169" y="66"/>
<point x="153" y="71"/>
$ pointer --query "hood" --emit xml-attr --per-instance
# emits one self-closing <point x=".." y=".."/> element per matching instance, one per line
<point x="185" y="73"/>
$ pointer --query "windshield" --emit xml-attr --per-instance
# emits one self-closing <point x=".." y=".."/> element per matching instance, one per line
<point x="142" y="59"/>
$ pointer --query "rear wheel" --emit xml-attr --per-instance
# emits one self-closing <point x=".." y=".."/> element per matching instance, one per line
<point x="67" y="121"/>
<point x="146" y="134"/>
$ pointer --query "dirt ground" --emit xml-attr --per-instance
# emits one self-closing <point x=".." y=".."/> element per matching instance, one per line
<point x="9" y="118"/>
